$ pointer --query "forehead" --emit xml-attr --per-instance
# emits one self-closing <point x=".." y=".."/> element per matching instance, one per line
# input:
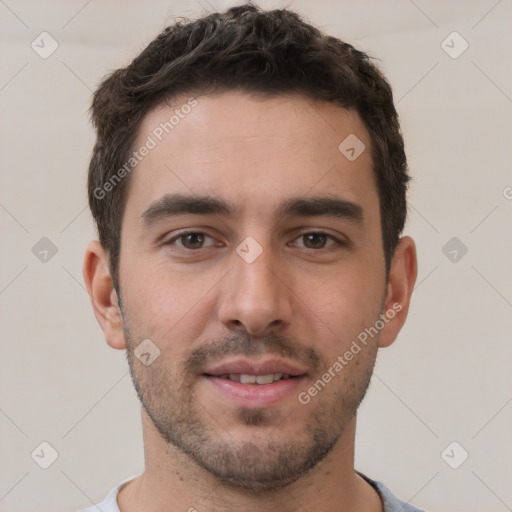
<point x="252" y="151"/>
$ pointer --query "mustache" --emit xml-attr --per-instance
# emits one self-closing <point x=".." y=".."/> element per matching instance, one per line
<point x="246" y="345"/>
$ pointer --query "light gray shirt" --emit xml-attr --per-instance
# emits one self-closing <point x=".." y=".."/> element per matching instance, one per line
<point x="390" y="501"/>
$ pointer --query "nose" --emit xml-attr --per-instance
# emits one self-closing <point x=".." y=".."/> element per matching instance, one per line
<point x="255" y="296"/>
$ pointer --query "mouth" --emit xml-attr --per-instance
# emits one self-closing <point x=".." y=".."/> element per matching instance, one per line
<point x="255" y="384"/>
<point x="257" y="380"/>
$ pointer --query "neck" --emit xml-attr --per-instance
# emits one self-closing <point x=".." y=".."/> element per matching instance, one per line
<point x="173" y="482"/>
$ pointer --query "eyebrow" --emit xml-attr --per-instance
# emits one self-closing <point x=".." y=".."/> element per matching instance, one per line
<point x="172" y="205"/>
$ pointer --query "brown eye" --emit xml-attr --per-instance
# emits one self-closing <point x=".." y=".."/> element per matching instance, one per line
<point x="318" y="240"/>
<point x="192" y="240"/>
<point x="314" y="240"/>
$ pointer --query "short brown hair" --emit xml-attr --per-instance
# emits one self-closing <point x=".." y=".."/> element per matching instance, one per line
<point x="265" y="52"/>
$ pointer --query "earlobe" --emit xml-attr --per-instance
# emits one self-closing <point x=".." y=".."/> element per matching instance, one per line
<point x="402" y="277"/>
<point x="103" y="296"/>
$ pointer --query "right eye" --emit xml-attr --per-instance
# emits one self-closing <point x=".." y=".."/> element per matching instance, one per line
<point x="191" y="240"/>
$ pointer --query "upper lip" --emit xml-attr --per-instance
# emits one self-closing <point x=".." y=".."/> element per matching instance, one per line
<point x="256" y="367"/>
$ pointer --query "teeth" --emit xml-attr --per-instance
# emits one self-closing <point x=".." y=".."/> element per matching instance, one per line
<point x="256" y="379"/>
<point x="265" y="379"/>
<point x="248" y="379"/>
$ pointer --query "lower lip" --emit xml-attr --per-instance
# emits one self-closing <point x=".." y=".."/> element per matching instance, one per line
<point x="256" y="396"/>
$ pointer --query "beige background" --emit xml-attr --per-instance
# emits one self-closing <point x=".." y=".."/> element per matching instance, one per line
<point x="446" y="379"/>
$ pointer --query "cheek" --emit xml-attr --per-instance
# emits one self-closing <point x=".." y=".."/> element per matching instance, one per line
<point x="165" y="305"/>
<point x="347" y="302"/>
<point x="157" y="288"/>
<point x="342" y="309"/>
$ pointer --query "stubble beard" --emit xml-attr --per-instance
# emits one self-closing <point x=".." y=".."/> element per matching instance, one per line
<point x="273" y="461"/>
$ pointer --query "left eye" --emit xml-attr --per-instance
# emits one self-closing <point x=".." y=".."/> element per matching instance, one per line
<point x="317" y="240"/>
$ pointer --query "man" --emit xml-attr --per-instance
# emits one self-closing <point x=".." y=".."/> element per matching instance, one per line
<point x="248" y="183"/>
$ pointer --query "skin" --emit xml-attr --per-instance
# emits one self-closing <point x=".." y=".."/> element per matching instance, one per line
<point x="307" y="297"/>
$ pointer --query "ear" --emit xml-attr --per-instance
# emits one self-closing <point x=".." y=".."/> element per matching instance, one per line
<point x="402" y="276"/>
<point x="103" y="296"/>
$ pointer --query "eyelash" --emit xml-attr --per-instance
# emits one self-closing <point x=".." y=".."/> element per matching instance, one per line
<point x="336" y="241"/>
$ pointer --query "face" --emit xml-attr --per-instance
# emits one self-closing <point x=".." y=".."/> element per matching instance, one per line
<point x="252" y="258"/>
